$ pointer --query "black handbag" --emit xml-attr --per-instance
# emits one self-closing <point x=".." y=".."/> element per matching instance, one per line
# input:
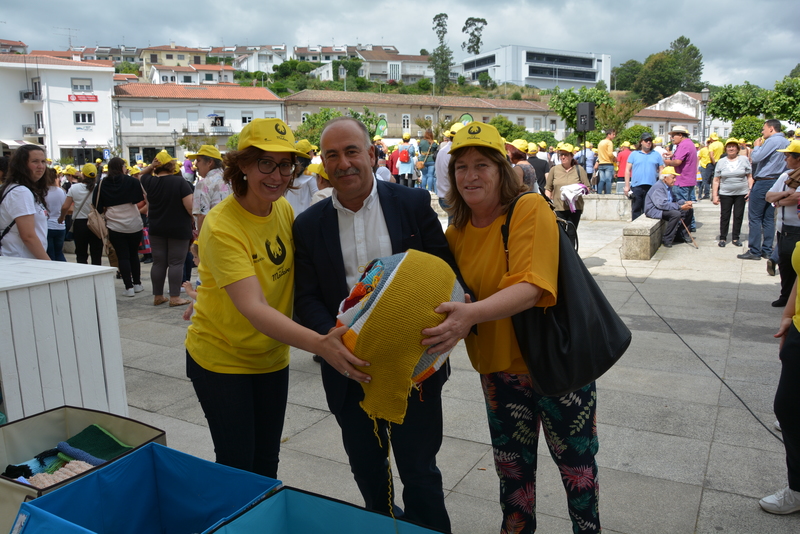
<point x="572" y="343"/>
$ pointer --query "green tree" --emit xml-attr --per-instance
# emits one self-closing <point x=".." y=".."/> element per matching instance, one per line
<point x="689" y="62"/>
<point x="233" y="142"/>
<point x="748" y="128"/>
<point x="484" y="79"/>
<point x="545" y="136"/>
<point x="624" y="76"/>
<point x="473" y="27"/>
<point x="565" y="103"/>
<point x="126" y="67"/>
<point x="659" y="78"/>
<point x="734" y="101"/>
<point x="784" y="101"/>
<point x="795" y="72"/>
<point x="311" y="129"/>
<point x="516" y="95"/>
<point x="424" y="85"/>
<point x="369" y="118"/>
<point x="192" y="143"/>
<point x="423" y="52"/>
<point x="462" y="81"/>
<point x="601" y="84"/>
<point x="305" y="67"/>
<point x="350" y="66"/>
<point x="632" y="134"/>
<point x="441" y="60"/>
<point x="615" y="116"/>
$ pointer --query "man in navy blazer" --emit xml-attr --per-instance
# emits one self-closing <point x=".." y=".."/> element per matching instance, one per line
<point x="334" y="240"/>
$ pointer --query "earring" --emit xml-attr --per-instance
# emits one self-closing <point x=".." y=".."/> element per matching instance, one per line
<point x="245" y="178"/>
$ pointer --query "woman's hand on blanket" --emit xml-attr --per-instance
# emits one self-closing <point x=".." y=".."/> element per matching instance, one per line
<point x="454" y="328"/>
<point x="340" y="358"/>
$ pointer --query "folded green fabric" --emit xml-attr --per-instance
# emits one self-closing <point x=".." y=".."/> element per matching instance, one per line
<point x="98" y="442"/>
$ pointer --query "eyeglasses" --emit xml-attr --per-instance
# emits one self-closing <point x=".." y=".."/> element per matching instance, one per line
<point x="267" y="166"/>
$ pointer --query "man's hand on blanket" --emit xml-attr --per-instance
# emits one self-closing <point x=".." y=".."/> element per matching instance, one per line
<point x="454" y="328"/>
<point x="340" y="358"/>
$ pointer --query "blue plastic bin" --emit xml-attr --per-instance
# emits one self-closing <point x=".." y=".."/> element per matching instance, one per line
<point x="154" y="489"/>
<point x="292" y="511"/>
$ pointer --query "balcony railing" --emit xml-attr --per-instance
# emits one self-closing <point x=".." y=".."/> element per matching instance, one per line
<point x="198" y="128"/>
<point x="26" y="96"/>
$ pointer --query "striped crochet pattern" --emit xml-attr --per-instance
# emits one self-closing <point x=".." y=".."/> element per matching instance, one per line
<point x="386" y="312"/>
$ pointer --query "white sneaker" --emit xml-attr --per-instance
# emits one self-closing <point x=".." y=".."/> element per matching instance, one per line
<point x="786" y="501"/>
<point x="138" y="288"/>
<point x="777" y="425"/>
<point x="128" y="293"/>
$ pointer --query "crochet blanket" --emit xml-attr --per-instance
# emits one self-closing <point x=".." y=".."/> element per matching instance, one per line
<point x="93" y="445"/>
<point x="386" y="312"/>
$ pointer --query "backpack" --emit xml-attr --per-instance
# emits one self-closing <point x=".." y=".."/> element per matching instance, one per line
<point x="404" y="156"/>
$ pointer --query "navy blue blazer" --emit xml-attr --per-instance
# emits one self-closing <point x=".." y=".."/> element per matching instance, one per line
<point x="320" y="284"/>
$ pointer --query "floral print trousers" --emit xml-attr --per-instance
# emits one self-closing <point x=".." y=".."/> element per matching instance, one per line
<point x="515" y="413"/>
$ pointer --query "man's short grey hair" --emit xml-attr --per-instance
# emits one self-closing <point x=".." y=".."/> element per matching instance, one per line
<point x="367" y="138"/>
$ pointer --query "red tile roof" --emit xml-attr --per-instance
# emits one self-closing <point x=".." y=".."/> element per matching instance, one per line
<point x="194" y="92"/>
<point x="124" y="77"/>
<point x="355" y="98"/>
<point x="659" y="114"/>
<point x="32" y="59"/>
<point x="383" y="55"/>
<point x="69" y="54"/>
<point x="6" y="42"/>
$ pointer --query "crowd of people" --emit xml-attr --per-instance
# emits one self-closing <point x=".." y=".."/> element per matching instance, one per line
<point x="280" y="230"/>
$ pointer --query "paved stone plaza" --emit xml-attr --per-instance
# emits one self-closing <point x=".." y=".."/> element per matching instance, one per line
<point x="679" y="453"/>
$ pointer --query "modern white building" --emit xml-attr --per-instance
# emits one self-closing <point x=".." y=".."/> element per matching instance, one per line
<point x="61" y="104"/>
<point x="326" y="54"/>
<point x="539" y="67"/>
<point x="152" y="117"/>
<point x="259" y="58"/>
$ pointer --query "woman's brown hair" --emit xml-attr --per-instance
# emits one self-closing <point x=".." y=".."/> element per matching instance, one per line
<point x="510" y="188"/>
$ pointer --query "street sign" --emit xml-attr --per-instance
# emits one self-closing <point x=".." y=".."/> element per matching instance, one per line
<point x="106" y="154"/>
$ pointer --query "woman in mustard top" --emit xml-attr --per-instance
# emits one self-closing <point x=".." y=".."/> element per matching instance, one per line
<point x="485" y="187"/>
<point x="237" y="348"/>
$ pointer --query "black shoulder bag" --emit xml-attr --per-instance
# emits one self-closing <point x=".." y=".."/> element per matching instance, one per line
<point x="572" y="343"/>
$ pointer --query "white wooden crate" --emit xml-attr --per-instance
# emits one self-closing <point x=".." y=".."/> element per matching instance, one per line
<point x="59" y="338"/>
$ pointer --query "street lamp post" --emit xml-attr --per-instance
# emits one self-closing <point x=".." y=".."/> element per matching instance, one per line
<point x="174" y="143"/>
<point x="704" y="98"/>
<point x="83" y="150"/>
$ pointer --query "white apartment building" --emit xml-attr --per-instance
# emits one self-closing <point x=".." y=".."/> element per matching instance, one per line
<point x="152" y="117"/>
<point x="326" y="54"/>
<point x="60" y="104"/>
<point x="192" y="74"/>
<point x="253" y="58"/>
<point x="692" y="104"/>
<point x="539" y="67"/>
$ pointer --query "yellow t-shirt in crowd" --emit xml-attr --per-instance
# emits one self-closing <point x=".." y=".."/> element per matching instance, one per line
<point x="533" y="258"/>
<point x="605" y="152"/>
<point x="234" y="244"/>
<point x="703" y="157"/>
<point x="717" y="148"/>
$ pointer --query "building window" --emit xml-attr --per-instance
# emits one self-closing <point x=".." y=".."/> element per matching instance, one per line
<point x="164" y="79"/>
<point x="302" y="58"/>
<point x="169" y="56"/>
<point x="82" y="85"/>
<point x="694" y="131"/>
<point x="361" y="72"/>
<point x="269" y="114"/>
<point x="650" y="126"/>
<point x="726" y="133"/>
<point x="162" y="117"/>
<point x="327" y="58"/>
<point x="448" y="118"/>
<point x="660" y="129"/>
<point x="153" y="58"/>
<point x="552" y="125"/>
<point x="247" y="116"/>
<point x="406" y="123"/>
<point x="429" y="118"/>
<point x="137" y="116"/>
<point x="197" y="60"/>
<point x="521" y="121"/>
<point x="82" y="117"/>
<point x="304" y="116"/>
<point x="225" y="77"/>
<point x="181" y="57"/>
<point x="172" y="78"/>
<point x="485" y="119"/>
<point x="117" y="59"/>
<point x="716" y="130"/>
<point x="313" y="58"/>
<point x="537" y="124"/>
<point x="187" y="79"/>
<point x="220" y="119"/>
<point x="209" y="77"/>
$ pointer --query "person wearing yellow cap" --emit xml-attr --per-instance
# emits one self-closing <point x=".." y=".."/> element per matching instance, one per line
<point x="380" y="147"/>
<point x="212" y="188"/>
<point x="733" y="178"/>
<point x="428" y="148"/>
<point x="563" y="178"/>
<point x="716" y="150"/>
<point x="642" y="169"/>
<point x="660" y="203"/>
<point x="485" y="185"/>
<point x="335" y="239"/>
<point x="586" y="158"/>
<point x="517" y="153"/>
<point x="540" y="165"/>
<point x="78" y="201"/>
<point x="405" y="161"/>
<point x="304" y="184"/>
<point x="237" y="346"/>
<point x="324" y="187"/>
<point x="23" y="216"/>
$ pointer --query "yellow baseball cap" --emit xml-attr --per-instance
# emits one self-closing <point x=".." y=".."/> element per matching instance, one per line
<point x="406" y="136"/>
<point x="271" y="135"/>
<point x="713" y="136"/>
<point x="206" y="150"/>
<point x="99" y="160"/>
<point x="793" y="148"/>
<point x="669" y="170"/>
<point x="318" y="168"/>
<point x="626" y="143"/>
<point x="455" y="128"/>
<point x="133" y="171"/>
<point x="478" y="134"/>
<point x="89" y="170"/>
<point x="105" y="168"/>
<point x="658" y="141"/>
<point x="377" y="138"/>
<point x="588" y="144"/>
<point x="565" y="147"/>
<point x="533" y="148"/>
<point x="163" y="157"/>
<point x="520" y="144"/>
<point x="304" y="145"/>
<point x="732" y="141"/>
<point x="70" y="170"/>
<point x="542" y="144"/>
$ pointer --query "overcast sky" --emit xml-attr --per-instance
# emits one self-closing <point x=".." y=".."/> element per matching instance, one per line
<point x="753" y="40"/>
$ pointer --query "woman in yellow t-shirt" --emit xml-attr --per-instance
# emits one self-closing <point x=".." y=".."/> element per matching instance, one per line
<point x="485" y="186"/>
<point x="237" y="348"/>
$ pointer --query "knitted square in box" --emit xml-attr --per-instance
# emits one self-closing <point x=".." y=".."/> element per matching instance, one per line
<point x="386" y="311"/>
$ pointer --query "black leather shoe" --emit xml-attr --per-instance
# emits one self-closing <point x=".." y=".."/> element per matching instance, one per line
<point x="722" y="243"/>
<point x="780" y="303"/>
<point x="668" y="245"/>
<point x="736" y="243"/>
<point x="748" y="256"/>
<point x="771" y="268"/>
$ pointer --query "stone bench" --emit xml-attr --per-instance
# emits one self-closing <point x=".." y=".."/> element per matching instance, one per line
<point x="606" y="208"/>
<point x="641" y="238"/>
